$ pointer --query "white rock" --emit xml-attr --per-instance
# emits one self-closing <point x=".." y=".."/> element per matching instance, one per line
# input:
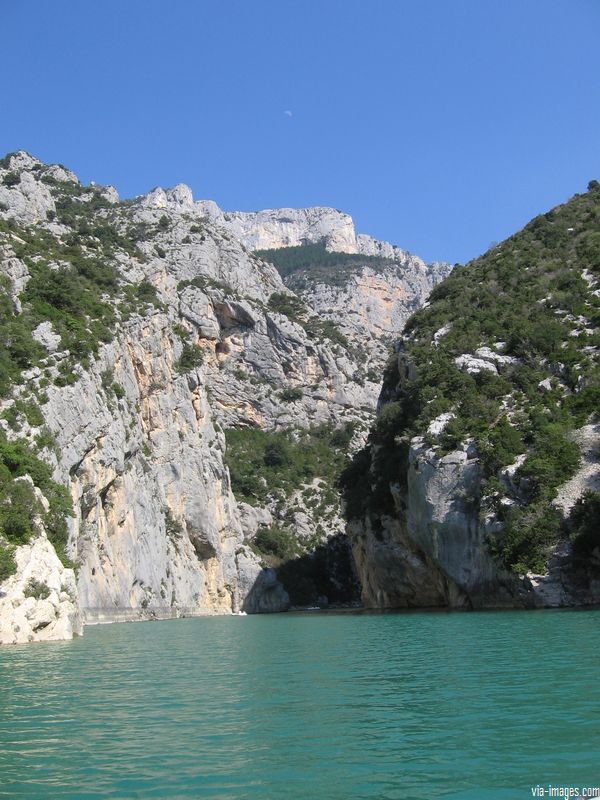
<point x="473" y="365"/>
<point x="437" y="425"/>
<point x="181" y="195"/>
<point x="441" y="332"/>
<point x="23" y="618"/>
<point x="45" y="335"/>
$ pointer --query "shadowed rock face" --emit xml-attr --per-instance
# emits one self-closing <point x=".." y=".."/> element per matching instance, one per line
<point x="156" y="530"/>
<point x="432" y="552"/>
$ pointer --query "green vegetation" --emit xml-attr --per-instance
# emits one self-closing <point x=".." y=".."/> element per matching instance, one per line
<point x="18" y="348"/>
<point x="11" y="179"/>
<point x="203" y="282"/>
<point x="7" y="562"/>
<point x="316" y="262"/>
<point x="18" y="504"/>
<point x="275" y="544"/>
<point x="77" y="207"/>
<point x="191" y="357"/>
<point x="527" y="298"/>
<point x="173" y="527"/>
<point x="73" y="296"/>
<point x="138" y="297"/>
<point x="110" y="386"/>
<point x="37" y="589"/>
<point x="290" y="394"/>
<point x="274" y="464"/>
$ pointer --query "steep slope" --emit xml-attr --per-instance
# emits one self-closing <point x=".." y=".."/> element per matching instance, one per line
<point x="479" y="484"/>
<point x="141" y="346"/>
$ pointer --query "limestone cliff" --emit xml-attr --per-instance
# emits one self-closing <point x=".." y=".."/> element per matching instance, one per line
<point x="137" y="334"/>
<point x="370" y="304"/>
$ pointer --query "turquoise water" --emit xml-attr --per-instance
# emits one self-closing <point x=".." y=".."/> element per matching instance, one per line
<point x="423" y="705"/>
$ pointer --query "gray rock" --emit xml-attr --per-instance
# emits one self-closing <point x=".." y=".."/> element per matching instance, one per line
<point x="45" y="335"/>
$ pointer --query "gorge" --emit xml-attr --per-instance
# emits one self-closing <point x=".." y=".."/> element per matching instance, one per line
<point x="181" y="388"/>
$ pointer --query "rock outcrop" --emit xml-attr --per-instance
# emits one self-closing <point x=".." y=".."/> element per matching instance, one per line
<point x="432" y="550"/>
<point x="288" y="227"/>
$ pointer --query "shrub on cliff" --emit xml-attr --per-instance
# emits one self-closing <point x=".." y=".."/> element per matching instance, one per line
<point x="18" y="503"/>
<point x="191" y="357"/>
<point x="276" y="543"/>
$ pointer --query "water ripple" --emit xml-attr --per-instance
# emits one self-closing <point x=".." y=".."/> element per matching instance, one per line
<point x="297" y="706"/>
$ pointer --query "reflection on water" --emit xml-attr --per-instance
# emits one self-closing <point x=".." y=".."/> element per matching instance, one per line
<point x="306" y="706"/>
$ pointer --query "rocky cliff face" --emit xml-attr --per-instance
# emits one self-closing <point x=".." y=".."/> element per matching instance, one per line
<point x="371" y="301"/>
<point x="288" y="227"/>
<point x="293" y="227"/>
<point x="433" y="547"/>
<point x="479" y="486"/>
<point x="178" y="340"/>
<point x="371" y="304"/>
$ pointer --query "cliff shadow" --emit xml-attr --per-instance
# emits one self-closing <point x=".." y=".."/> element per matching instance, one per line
<point x="324" y="577"/>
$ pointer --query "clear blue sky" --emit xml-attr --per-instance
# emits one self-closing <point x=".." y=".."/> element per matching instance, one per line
<point x="440" y="125"/>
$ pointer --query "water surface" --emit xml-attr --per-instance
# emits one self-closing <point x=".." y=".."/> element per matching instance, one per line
<point x="399" y="706"/>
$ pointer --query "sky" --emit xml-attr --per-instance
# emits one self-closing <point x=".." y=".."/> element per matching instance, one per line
<point x="439" y="125"/>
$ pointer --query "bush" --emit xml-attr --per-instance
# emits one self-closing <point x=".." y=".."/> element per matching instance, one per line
<point x="269" y="464"/>
<point x="173" y="528"/>
<point x="18" y="505"/>
<point x="290" y="394"/>
<point x="287" y="304"/>
<point x="191" y="357"/>
<point x="275" y="541"/>
<point x="11" y="179"/>
<point x="527" y="536"/>
<point x="37" y="589"/>
<point x="554" y="460"/>
<point x="7" y="563"/>
<point x="139" y="296"/>
<point x="499" y="446"/>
